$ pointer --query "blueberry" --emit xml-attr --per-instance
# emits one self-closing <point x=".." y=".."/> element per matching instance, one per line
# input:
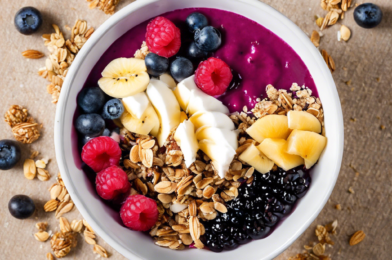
<point x="368" y="15"/>
<point x="9" y="154"/>
<point x="84" y="140"/>
<point x="208" y="39"/>
<point x="21" y="206"/>
<point x="91" y="125"/>
<point x="106" y="132"/>
<point x="113" y="109"/>
<point x="181" y="68"/>
<point x="196" y="21"/>
<point x="91" y="100"/>
<point x="195" y="53"/>
<point x="156" y="65"/>
<point x="28" y="20"/>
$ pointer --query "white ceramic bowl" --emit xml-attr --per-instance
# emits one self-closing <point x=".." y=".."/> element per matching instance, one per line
<point x="135" y="245"/>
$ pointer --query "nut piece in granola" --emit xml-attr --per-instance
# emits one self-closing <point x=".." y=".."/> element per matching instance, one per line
<point x="32" y="54"/>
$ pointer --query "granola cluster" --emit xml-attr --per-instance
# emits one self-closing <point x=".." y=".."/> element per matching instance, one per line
<point x="280" y="102"/>
<point x="64" y="240"/>
<point x="336" y="10"/>
<point x="106" y="6"/>
<point x="142" y="52"/>
<point x="24" y="127"/>
<point x="316" y="251"/>
<point x="62" y="53"/>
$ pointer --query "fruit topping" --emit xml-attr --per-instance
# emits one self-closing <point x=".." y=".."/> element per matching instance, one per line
<point x="91" y="100"/>
<point x="196" y="21"/>
<point x="21" y="206"/>
<point x="368" y="15"/>
<point x="256" y="159"/>
<point x="156" y="65"/>
<point x="168" y="80"/>
<point x="308" y="145"/>
<point x="218" y="136"/>
<point x="28" y="20"/>
<point x="208" y="39"/>
<point x="181" y="68"/>
<point x="183" y="116"/>
<point x="113" y="109"/>
<point x="10" y="154"/>
<point x="221" y="155"/>
<point x="302" y="120"/>
<point x="213" y="76"/>
<point x="186" y="139"/>
<point x="166" y="106"/>
<point x="163" y="37"/>
<point x="275" y="150"/>
<point x="195" y="53"/>
<point x="101" y="152"/>
<point x="139" y="213"/>
<point x="259" y="207"/>
<point x="112" y="182"/>
<point x="91" y="125"/>
<point x="124" y="77"/>
<point x="270" y="126"/>
<point x="213" y="119"/>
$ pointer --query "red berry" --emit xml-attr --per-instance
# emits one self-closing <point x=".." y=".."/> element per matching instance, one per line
<point x="213" y="76"/>
<point x="112" y="182"/>
<point x="163" y="37"/>
<point x="139" y="213"/>
<point x="101" y="152"/>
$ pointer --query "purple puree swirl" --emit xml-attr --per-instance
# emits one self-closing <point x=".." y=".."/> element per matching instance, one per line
<point x="254" y="53"/>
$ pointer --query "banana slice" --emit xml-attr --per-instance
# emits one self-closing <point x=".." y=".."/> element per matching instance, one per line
<point x="255" y="158"/>
<point x="270" y="126"/>
<point x="124" y="77"/>
<point x="308" y="145"/>
<point x="147" y="123"/>
<point x="275" y="150"/>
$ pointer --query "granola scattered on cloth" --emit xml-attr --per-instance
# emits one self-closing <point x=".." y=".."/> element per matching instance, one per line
<point x="24" y="127"/>
<point x="106" y="6"/>
<point x="61" y="55"/>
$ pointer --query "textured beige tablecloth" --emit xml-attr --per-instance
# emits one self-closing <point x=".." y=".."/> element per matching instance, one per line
<point x="366" y="60"/>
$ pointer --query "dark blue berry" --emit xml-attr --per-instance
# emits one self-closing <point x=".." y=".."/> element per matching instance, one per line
<point x="196" y="21"/>
<point x="181" y="68"/>
<point x="156" y="65"/>
<point x="208" y="39"/>
<point x="9" y="154"/>
<point x="368" y="15"/>
<point x="21" y="206"/>
<point x="258" y="208"/>
<point x="113" y="109"/>
<point x="106" y="132"/>
<point x="91" y="125"/>
<point x="84" y="140"/>
<point x="194" y="52"/>
<point x="91" y="100"/>
<point x="28" y="20"/>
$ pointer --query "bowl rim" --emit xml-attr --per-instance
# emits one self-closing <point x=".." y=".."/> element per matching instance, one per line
<point x="107" y="26"/>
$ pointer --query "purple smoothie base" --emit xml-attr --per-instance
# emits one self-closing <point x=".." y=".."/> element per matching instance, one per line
<point x="257" y="57"/>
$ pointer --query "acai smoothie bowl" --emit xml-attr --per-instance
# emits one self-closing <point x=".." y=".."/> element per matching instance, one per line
<point x="199" y="129"/>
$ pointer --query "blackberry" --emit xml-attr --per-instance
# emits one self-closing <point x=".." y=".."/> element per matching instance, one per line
<point x="258" y="208"/>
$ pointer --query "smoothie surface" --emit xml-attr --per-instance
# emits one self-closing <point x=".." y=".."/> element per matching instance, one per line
<point x="257" y="56"/>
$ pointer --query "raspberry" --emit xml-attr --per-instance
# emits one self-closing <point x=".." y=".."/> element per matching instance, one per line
<point x="213" y="76"/>
<point x="101" y="152"/>
<point x="163" y="37"/>
<point x="139" y="213"/>
<point x="112" y="182"/>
